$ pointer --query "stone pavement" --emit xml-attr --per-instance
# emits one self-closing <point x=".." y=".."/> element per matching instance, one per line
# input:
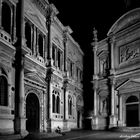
<point x="69" y="135"/>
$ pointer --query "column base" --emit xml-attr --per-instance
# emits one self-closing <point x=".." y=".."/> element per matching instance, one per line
<point x="94" y="123"/>
<point x="20" y="127"/>
<point x="49" y="129"/>
<point x="113" y="121"/>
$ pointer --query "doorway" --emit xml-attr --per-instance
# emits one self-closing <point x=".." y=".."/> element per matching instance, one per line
<point x="132" y="113"/>
<point x="32" y="113"/>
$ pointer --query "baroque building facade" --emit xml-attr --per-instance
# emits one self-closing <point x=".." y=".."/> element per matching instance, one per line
<point x="41" y="68"/>
<point x="116" y="79"/>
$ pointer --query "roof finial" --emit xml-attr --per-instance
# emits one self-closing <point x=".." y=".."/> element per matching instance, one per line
<point x="95" y="38"/>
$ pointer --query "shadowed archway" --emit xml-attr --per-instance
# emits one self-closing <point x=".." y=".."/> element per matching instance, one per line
<point x="32" y="113"/>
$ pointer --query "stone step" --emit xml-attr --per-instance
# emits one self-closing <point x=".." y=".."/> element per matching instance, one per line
<point x="11" y="137"/>
<point x="40" y="135"/>
<point x="126" y="129"/>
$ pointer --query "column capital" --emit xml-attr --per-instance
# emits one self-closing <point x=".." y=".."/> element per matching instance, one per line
<point x="112" y="80"/>
<point x="95" y="84"/>
<point x="95" y="77"/>
<point x="112" y="38"/>
<point x="50" y="13"/>
<point x="65" y="36"/>
<point x="94" y="44"/>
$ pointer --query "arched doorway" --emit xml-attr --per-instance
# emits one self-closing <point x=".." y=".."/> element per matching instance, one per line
<point x="32" y="113"/>
<point x="132" y="113"/>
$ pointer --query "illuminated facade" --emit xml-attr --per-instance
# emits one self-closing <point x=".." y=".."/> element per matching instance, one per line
<point x="41" y="68"/>
<point x="116" y="76"/>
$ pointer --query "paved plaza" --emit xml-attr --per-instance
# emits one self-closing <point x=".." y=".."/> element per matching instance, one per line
<point x="88" y="135"/>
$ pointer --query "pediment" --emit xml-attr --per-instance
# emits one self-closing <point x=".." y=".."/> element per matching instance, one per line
<point x="36" y="17"/>
<point x="125" y="20"/>
<point x="36" y="78"/>
<point x="130" y="85"/>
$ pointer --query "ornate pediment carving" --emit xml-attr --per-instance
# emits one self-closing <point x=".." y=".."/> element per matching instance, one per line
<point x="36" y="16"/>
<point x="130" y="85"/>
<point x="36" y="78"/>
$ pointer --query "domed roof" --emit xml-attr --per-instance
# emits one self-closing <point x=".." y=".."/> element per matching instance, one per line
<point x="125" y="20"/>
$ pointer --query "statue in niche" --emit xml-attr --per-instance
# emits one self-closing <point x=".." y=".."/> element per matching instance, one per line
<point x="104" y="106"/>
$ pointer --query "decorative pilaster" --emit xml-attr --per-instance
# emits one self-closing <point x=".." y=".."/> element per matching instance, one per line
<point x="120" y="121"/>
<point x="112" y="45"/>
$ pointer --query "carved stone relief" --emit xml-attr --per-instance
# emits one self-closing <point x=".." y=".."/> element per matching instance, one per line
<point x="130" y="51"/>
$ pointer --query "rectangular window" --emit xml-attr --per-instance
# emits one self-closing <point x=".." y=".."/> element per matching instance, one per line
<point x="54" y="49"/>
<point x="41" y="45"/>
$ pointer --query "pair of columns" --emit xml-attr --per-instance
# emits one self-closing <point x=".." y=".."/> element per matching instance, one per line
<point x="112" y="79"/>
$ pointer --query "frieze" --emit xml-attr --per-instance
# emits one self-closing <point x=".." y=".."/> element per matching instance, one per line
<point x="130" y="51"/>
<point x="130" y="86"/>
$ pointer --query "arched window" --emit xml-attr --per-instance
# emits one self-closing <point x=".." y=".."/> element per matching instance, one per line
<point x="58" y="105"/>
<point x="3" y="91"/>
<point x="6" y="17"/>
<point x="55" y="102"/>
<point x="28" y="34"/>
<point x="132" y="99"/>
<point x="69" y="105"/>
<point x="40" y="44"/>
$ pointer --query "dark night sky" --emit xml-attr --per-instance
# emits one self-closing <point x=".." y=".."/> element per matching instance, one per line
<point x="82" y="16"/>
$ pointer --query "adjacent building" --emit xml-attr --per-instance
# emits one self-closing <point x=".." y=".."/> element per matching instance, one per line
<point x="116" y="79"/>
<point x="41" y="69"/>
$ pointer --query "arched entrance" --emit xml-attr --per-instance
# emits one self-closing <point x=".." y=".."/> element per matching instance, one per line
<point x="132" y="113"/>
<point x="32" y="113"/>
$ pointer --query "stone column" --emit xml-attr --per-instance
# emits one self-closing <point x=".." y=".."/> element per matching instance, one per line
<point x="120" y="121"/>
<point x="95" y="79"/>
<point x="95" y="97"/>
<point x="95" y="76"/>
<point x="20" y="120"/>
<point x="113" y="115"/>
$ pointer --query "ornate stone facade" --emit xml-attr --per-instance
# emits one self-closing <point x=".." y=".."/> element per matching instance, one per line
<point x="41" y="68"/>
<point x="116" y="75"/>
